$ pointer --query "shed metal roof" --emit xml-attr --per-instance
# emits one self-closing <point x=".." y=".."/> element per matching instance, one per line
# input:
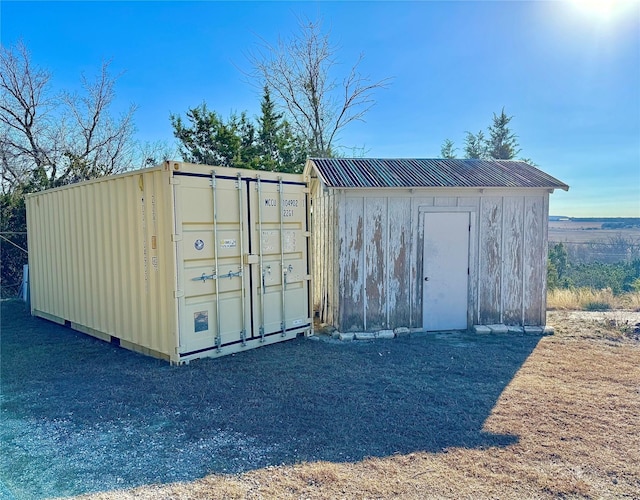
<point x="412" y="172"/>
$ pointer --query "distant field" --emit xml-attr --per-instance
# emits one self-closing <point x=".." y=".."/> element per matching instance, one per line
<point x="587" y="232"/>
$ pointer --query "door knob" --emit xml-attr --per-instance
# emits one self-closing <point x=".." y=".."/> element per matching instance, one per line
<point x="426" y="278"/>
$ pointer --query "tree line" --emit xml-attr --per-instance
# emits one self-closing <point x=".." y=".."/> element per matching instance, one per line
<point x="621" y="276"/>
<point x="269" y="143"/>
<point x="500" y="142"/>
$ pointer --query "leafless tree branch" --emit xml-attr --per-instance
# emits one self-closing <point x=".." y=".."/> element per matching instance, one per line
<point x="298" y="72"/>
<point x="61" y="137"/>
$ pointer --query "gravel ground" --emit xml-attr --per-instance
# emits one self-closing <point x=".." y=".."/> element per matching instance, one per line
<point x="631" y="317"/>
<point x="80" y="415"/>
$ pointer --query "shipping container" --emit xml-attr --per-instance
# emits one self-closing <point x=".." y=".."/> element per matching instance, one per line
<point x="177" y="261"/>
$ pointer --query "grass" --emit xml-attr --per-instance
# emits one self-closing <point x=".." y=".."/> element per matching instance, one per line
<point x="80" y="415"/>
<point x="573" y="406"/>
<point x="448" y="416"/>
<point x="588" y="299"/>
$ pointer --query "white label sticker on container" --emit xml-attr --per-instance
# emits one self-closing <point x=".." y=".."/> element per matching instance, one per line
<point x="289" y="241"/>
<point x="228" y="243"/>
<point x="268" y="241"/>
<point x="198" y="244"/>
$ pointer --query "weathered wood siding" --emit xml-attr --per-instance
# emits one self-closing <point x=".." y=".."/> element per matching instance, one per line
<point x="398" y="264"/>
<point x="368" y="255"/>
<point x="351" y="264"/>
<point x="490" y="272"/>
<point x="376" y="246"/>
<point x="535" y="276"/>
<point x="324" y="253"/>
<point x="512" y="263"/>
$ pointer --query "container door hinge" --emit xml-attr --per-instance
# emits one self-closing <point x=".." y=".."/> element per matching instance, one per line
<point x="178" y="293"/>
<point x="176" y="237"/>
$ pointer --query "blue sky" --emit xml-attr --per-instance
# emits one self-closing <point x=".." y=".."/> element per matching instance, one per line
<point x="569" y="74"/>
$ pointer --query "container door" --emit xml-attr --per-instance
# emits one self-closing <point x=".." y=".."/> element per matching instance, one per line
<point x="279" y="239"/>
<point x="211" y="220"/>
<point x="243" y="277"/>
<point x="446" y="271"/>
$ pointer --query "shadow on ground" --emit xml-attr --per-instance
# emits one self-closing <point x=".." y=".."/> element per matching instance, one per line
<point x="80" y="415"/>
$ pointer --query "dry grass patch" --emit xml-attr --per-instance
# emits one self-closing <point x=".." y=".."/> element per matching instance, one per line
<point x="589" y="299"/>
<point x="573" y="406"/>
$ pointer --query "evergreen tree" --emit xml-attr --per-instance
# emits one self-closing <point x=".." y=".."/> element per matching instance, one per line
<point x="475" y="146"/>
<point x="279" y="149"/>
<point x="208" y="139"/>
<point x="447" y="150"/>
<point x="269" y="127"/>
<point x="239" y="142"/>
<point x="502" y="143"/>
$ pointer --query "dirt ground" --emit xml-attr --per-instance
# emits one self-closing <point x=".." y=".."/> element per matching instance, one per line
<point x="428" y="416"/>
<point x="573" y="406"/>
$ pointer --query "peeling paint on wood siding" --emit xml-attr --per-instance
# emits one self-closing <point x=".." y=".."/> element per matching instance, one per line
<point x="371" y="256"/>
<point x="375" y="239"/>
<point x="351" y="265"/>
<point x="322" y="256"/>
<point x="398" y="262"/>
<point x="331" y="251"/>
<point x="512" y="271"/>
<point x="490" y="260"/>
<point x="318" y="238"/>
<point x="412" y="276"/>
<point x="534" y="276"/>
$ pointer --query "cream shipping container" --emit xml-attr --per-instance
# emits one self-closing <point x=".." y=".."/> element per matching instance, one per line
<point x="178" y="261"/>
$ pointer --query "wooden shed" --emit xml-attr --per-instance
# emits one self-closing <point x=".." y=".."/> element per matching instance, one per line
<point x="428" y="244"/>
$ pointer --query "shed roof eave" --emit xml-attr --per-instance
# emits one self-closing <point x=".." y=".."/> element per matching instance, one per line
<point x="470" y="189"/>
<point x="431" y="172"/>
<point x="311" y="168"/>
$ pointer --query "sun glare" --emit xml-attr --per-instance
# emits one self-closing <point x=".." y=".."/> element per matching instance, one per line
<point x="605" y="10"/>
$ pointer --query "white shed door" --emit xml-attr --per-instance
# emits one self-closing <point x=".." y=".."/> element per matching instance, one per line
<point x="446" y="271"/>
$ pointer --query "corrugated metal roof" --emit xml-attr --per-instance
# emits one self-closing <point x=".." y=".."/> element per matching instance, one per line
<point x="411" y="172"/>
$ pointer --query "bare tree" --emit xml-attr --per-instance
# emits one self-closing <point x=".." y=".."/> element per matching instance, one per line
<point x="25" y="116"/>
<point x="150" y="153"/>
<point x="298" y="74"/>
<point x="49" y="139"/>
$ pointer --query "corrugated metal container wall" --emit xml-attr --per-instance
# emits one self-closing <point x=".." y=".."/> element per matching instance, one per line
<point x="141" y="258"/>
